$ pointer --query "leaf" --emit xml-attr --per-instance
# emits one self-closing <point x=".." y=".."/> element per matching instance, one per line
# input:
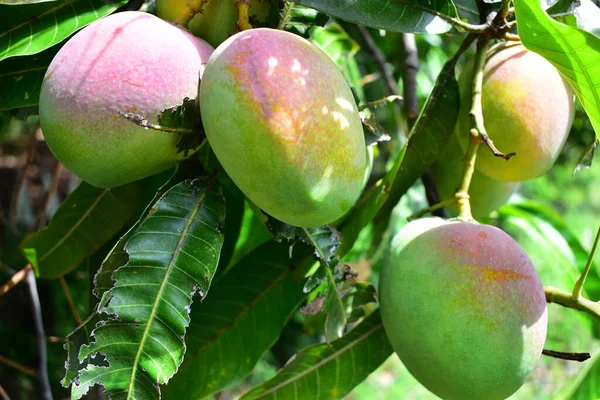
<point x="411" y="16"/>
<point x="544" y="219"/>
<point x="21" y="79"/>
<point x="430" y="134"/>
<point x="73" y="342"/>
<point x="88" y="218"/>
<point x="585" y="385"/>
<point x="173" y="254"/>
<point x="299" y="20"/>
<point x="574" y="52"/>
<point x="184" y="116"/>
<point x="242" y="318"/>
<point x="341" y="48"/>
<point x="335" y="322"/>
<point x="467" y="9"/>
<point x="31" y="28"/>
<point x="330" y="370"/>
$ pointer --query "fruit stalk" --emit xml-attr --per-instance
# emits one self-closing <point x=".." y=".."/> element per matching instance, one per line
<point x="476" y="132"/>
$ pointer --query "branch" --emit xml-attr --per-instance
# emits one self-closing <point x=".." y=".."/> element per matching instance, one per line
<point x="41" y="338"/>
<point x="43" y="213"/>
<point x="578" y="287"/>
<point x="19" y="367"/>
<point x="565" y="299"/>
<point x="3" y="394"/>
<point x="14" y="280"/>
<point x="380" y="59"/>
<point x="67" y="292"/>
<point x="580" y="357"/>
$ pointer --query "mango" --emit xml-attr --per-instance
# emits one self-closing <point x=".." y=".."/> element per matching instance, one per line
<point x="527" y="107"/>
<point x="131" y="62"/>
<point x="283" y="123"/>
<point x="463" y="307"/>
<point x="485" y="194"/>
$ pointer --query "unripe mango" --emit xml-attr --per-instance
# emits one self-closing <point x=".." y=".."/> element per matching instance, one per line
<point x="216" y="22"/>
<point x="463" y="307"/>
<point x="131" y="62"/>
<point x="527" y="108"/>
<point x="282" y="121"/>
<point x="485" y="194"/>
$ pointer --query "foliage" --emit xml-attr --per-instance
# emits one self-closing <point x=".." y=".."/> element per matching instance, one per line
<point x="188" y="290"/>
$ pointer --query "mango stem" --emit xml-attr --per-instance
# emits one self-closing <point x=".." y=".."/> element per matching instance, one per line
<point x="243" y="7"/>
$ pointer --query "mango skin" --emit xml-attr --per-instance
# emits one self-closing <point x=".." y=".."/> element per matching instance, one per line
<point x="131" y="62"/>
<point x="216" y="22"/>
<point x="486" y="194"/>
<point x="282" y="121"/>
<point x="463" y="307"/>
<point x="527" y="108"/>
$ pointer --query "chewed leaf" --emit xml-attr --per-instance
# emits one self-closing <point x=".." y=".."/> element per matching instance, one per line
<point x="173" y="254"/>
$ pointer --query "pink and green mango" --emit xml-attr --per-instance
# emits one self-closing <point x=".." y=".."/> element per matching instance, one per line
<point x="131" y="62"/>
<point x="463" y="307"/>
<point x="282" y="121"/>
<point x="528" y="109"/>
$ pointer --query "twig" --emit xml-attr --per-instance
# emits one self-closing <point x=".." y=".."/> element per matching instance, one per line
<point x="486" y="139"/>
<point x="41" y="338"/>
<point x="3" y="394"/>
<point x="51" y="189"/>
<point x="14" y="280"/>
<point x="243" y="7"/>
<point x="409" y="78"/>
<point x="376" y="103"/>
<point x="192" y="7"/>
<point x="578" y="287"/>
<point x="580" y="357"/>
<point x="381" y="61"/>
<point x="19" y="367"/>
<point x="67" y="292"/>
<point x="142" y="121"/>
<point x="16" y="197"/>
<point x="565" y="299"/>
<point x="431" y="209"/>
<point x="512" y="37"/>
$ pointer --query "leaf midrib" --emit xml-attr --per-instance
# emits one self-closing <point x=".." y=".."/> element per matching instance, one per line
<point x="323" y="361"/>
<point x="75" y="226"/>
<point x="178" y="249"/>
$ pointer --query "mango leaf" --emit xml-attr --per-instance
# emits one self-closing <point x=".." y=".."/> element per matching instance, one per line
<point x="330" y="370"/>
<point x="585" y="385"/>
<point x="31" y="28"/>
<point x="299" y="20"/>
<point x="341" y="48"/>
<point x="173" y="254"/>
<point x="73" y="342"/>
<point x="243" y="317"/>
<point x="467" y="9"/>
<point x="552" y="228"/>
<point x="411" y="16"/>
<point x="88" y="218"/>
<point x="21" y="79"/>
<point x="574" y="52"/>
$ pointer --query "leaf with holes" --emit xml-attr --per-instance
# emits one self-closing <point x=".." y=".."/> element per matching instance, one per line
<point x="574" y="52"/>
<point x="173" y="254"/>
<point x="414" y="16"/>
<point x="88" y="218"/>
<point x="31" y="28"/>
<point x="241" y="320"/>
<point x="330" y="370"/>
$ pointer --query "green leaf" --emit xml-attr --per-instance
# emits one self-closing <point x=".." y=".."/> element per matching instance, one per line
<point x="241" y="319"/>
<point x="467" y="9"/>
<point x="428" y="137"/>
<point x="173" y="254"/>
<point x="299" y="20"/>
<point x="21" y="79"/>
<point x="330" y="370"/>
<point x="341" y="48"/>
<point x="31" y="28"/>
<point x="585" y="385"/>
<point x="397" y="15"/>
<point x="73" y="342"/>
<point x="574" y="52"/>
<point x="88" y="218"/>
